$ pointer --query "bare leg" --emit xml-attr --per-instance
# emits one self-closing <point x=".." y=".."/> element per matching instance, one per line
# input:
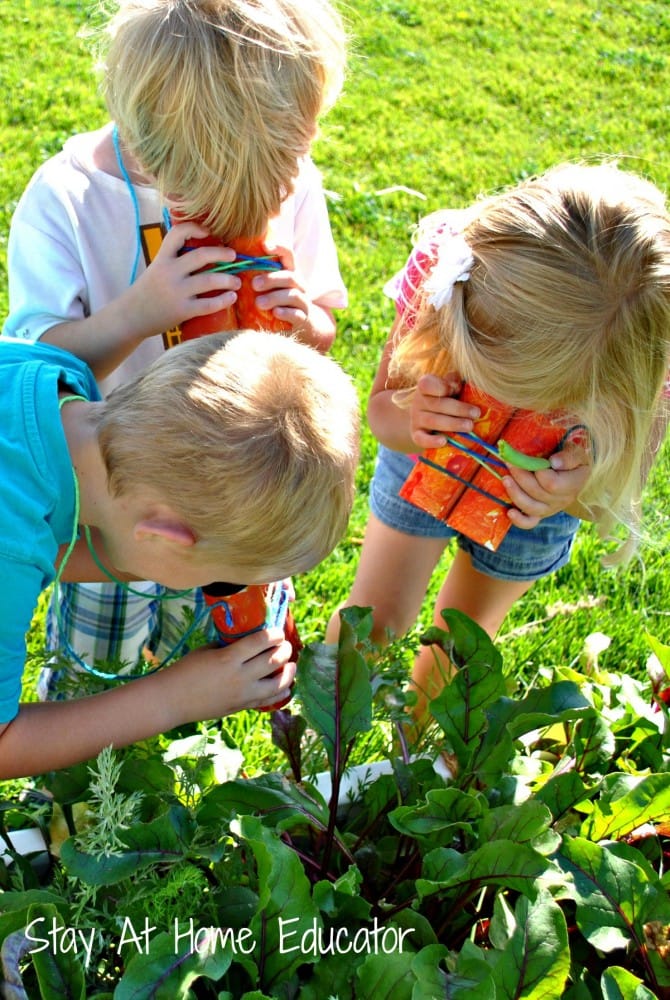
<point x="392" y="577"/>
<point x="483" y="598"/>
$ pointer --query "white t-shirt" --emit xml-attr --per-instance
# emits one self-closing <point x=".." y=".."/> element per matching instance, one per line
<point x="73" y="242"/>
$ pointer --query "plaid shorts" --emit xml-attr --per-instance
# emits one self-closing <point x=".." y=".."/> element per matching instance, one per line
<point x="112" y="628"/>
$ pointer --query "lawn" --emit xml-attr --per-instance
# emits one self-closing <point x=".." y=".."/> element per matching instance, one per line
<point x="442" y="102"/>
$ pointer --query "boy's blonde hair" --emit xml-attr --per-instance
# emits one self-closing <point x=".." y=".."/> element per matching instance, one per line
<point x="251" y="437"/>
<point x="567" y="308"/>
<point x="218" y="99"/>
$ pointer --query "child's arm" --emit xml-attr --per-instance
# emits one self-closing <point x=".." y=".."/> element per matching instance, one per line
<point x="164" y="295"/>
<point x="434" y="410"/>
<point x="204" y="684"/>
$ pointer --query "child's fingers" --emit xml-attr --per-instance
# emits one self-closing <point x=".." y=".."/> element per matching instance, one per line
<point x="266" y="282"/>
<point x="204" y="259"/>
<point x="440" y="385"/>
<point x="521" y="520"/>
<point x="564" y="484"/>
<point x="542" y="494"/>
<point x="184" y="232"/>
<point x="260" y="653"/>
<point x="285" y="255"/>
<point x="571" y="456"/>
<point x="432" y="418"/>
<point x="524" y="486"/>
<point x="294" y="298"/>
<point x="254" y="670"/>
<point x="205" y="306"/>
<point x="276" y="687"/>
<point x="434" y="385"/>
<point x="211" y="282"/>
<point x="181" y="232"/>
<point x="526" y="504"/>
<point x="448" y="407"/>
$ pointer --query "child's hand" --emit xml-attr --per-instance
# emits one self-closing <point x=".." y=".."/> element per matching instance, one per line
<point x="169" y="291"/>
<point x="435" y="411"/>
<point x="253" y="671"/>
<point x="537" y="495"/>
<point x="283" y="293"/>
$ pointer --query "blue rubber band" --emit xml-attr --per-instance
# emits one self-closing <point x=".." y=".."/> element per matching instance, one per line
<point x="486" y="460"/>
<point x="466" y="482"/>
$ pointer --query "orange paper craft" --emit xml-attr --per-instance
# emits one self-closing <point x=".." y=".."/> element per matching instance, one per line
<point x="248" y="610"/>
<point x="455" y="488"/>
<point x="244" y="314"/>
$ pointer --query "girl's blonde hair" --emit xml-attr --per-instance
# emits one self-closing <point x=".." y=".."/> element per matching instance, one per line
<point x="250" y="437"/>
<point x="567" y="308"/>
<point x="218" y="99"/>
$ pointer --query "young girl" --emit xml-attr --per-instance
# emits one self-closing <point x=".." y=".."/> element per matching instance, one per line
<point x="551" y="297"/>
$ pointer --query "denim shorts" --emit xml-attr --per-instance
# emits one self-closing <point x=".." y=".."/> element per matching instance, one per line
<point x="522" y="555"/>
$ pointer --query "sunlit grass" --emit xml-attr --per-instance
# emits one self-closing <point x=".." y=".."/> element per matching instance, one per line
<point x="443" y="101"/>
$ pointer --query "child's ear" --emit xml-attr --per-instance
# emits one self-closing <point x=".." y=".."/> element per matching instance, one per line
<point x="168" y="527"/>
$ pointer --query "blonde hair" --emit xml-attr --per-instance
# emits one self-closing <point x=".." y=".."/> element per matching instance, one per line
<point x="250" y="437"/>
<point x="566" y="308"/>
<point x="218" y="99"/>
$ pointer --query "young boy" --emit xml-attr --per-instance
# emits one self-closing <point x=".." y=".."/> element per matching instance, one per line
<point x="214" y="105"/>
<point x="230" y="458"/>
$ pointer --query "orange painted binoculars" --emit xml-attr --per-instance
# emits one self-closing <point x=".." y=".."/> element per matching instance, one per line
<point x="460" y="483"/>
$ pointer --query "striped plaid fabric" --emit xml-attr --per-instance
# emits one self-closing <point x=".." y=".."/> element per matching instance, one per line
<point x="105" y="624"/>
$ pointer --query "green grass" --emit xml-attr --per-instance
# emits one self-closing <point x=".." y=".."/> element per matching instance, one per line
<point x="443" y="101"/>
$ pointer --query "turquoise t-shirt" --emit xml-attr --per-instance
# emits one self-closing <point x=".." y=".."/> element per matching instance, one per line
<point x="37" y="495"/>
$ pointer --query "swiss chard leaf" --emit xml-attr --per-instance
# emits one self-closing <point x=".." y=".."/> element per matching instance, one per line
<point x="536" y="960"/>
<point x="169" y="967"/>
<point x="615" y="899"/>
<point x="619" y="984"/>
<point x="562" y="792"/>
<point x="445" y="812"/>
<point x="286" y="910"/>
<point x="627" y="802"/>
<point x="335" y="691"/>
<point x="269" y="795"/>
<point x="502" y="862"/>
<point x="460" y="708"/>
<point x="287" y="733"/>
<point x="386" y="977"/>
<point x="164" y="840"/>
<point x="523" y="823"/>
<point x="60" y="973"/>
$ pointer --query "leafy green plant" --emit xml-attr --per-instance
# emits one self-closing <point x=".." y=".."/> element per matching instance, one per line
<point x="537" y="869"/>
<point x="441" y="103"/>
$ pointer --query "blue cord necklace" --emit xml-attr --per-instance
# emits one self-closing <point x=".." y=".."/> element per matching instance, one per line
<point x="181" y="644"/>
<point x="135" y="203"/>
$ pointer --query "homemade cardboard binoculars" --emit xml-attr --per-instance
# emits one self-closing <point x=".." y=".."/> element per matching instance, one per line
<point x="460" y="483"/>
<point x="244" y="314"/>
<point x="237" y="612"/>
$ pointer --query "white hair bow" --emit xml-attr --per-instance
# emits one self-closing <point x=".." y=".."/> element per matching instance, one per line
<point x="454" y="263"/>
